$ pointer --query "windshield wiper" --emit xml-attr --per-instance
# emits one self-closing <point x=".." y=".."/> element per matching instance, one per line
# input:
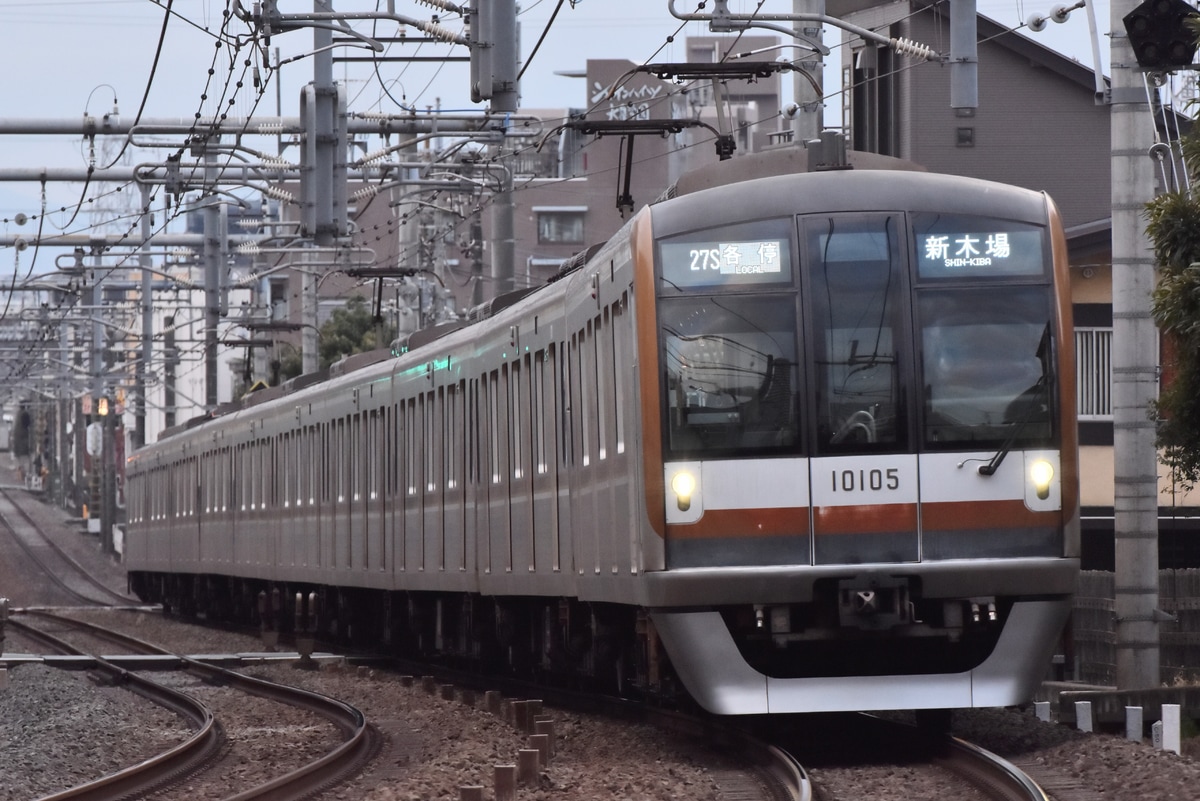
<point x="1038" y="399"/>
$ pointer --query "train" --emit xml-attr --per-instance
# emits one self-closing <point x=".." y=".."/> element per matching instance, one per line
<point x="796" y="443"/>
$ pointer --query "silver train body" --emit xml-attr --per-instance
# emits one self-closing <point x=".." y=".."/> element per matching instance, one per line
<point x="804" y="443"/>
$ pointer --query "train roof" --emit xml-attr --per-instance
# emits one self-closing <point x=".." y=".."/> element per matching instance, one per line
<point x="890" y="184"/>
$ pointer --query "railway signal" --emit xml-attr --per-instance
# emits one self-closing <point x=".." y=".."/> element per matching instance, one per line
<point x="1160" y="36"/>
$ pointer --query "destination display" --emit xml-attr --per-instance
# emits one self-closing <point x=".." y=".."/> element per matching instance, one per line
<point x="724" y="263"/>
<point x="978" y="248"/>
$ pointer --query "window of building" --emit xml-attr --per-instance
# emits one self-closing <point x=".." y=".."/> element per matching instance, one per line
<point x="874" y="99"/>
<point x="560" y="225"/>
<point x="1093" y="360"/>
<point x="279" y="299"/>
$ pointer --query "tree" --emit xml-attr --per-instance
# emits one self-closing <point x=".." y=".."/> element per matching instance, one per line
<point x="351" y="329"/>
<point x="1174" y="230"/>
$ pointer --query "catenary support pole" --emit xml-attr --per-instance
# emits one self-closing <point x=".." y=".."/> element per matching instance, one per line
<point x="1135" y="376"/>
<point x="809" y="117"/>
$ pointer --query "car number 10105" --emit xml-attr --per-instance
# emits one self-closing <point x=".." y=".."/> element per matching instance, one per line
<point x="875" y="479"/>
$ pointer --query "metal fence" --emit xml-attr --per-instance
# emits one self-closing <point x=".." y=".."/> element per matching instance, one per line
<point x="1093" y="627"/>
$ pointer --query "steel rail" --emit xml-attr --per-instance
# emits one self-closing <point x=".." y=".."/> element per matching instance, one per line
<point x="328" y="769"/>
<point x="66" y="557"/>
<point x="991" y="773"/>
<point x="158" y="770"/>
<point x="53" y="576"/>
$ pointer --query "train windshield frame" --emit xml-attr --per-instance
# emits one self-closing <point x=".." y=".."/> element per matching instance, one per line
<point x="888" y="332"/>
<point x="728" y="319"/>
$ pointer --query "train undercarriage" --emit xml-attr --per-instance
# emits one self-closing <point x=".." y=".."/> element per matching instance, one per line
<point x="572" y="643"/>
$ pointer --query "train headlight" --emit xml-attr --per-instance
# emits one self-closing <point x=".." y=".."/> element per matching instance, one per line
<point x="683" y="484"/>
<point x="1041" y="473"/>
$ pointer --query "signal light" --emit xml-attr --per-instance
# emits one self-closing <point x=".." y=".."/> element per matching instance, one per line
<point x="1160" y="38"/>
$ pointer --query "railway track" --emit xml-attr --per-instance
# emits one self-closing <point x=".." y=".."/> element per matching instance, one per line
<point x="160" y="770"/>
<point x="997" y="778"/>
<point x="59" y="568"/>
<point x="856" y="757"/>
<point x="208" y="749"/>
<point x="766" y="773"/>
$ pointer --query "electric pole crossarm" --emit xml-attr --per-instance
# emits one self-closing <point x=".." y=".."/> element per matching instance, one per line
<point x="357" y="123"/>
<point x="272" y="20"/>
<point x="107" y="241"/>
<point x="721" y="21"/>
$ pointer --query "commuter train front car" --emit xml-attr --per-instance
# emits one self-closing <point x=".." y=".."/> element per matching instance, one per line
<point x="867" y="448"/>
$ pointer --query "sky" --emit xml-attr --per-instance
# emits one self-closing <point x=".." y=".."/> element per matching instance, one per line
<point x="65" y="58"/>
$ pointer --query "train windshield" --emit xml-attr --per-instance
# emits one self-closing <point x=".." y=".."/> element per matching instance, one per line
<point x="731" y="373"/>
<point x="985" y="356"/>
<point x="856" y="269"/>
<point x="924" y="331"/>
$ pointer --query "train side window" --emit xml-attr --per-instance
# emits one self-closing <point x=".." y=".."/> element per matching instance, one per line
<point x="410" y="446"/>
<point x="389" y="451"/>
<point x="431" y="440"/>
<point x="857" y="287"/>
<point x="338" y="442"/>
<point x="517" y="419"/>
<point x="492" y="391"/>
<point x="603" y="357"/>
<point x="471" y="433"/>
<point x="260" y="473"/>
<point x="286" y="476"/>
<point x="270" y="473"/>
<point x="537" y="405"/>
<point x="376" y="455"/>
<point x="356" y="458"/>
<point x="206" y="482"/>
<point x="291" y="469"/>
<point x="565" y="379"/>
<point x="454" y="435"/>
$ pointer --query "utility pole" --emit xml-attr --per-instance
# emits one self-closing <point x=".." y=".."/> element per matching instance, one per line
<point x="1135" y="375"/>
<point x="810" y="109"/>
<point x="215" y="238"/>
<point x="143" y="364"/>
<point x="503" y="239"/>
<point x="323" y="175"/>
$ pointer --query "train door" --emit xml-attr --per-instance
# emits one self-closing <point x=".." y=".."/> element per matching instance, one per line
<point x="323" y="489"/>
<point x="624" y="360"/>
<point x="413" y="494"/>
<point x="499" y="423"/>
<point x="282" y="533"/>
<point x="521" y="523"/>
<point x="341" y="499"/>
<point x="583" y="422"/>
<point x="606" y="474"/>
<point x="563" y="453"/>
<point x="455" y="449"/>
<point x="546" y="555"/>
<point x="393" y="500"/>
<point x="863" y="473"/>
<point x="432" y="486"/>
<point x="478" y="436"/>
<point x="375" y="456"/>
<point x="356" y="507"/>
